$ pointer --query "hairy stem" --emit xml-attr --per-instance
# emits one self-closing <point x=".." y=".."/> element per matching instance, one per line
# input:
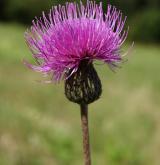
<point x="85" y="131"/>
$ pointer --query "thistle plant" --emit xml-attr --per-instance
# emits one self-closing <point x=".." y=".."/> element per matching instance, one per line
<point x="66" y="42"/>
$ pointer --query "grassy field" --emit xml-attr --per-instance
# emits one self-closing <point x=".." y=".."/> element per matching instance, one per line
<point x="38" y="126"/>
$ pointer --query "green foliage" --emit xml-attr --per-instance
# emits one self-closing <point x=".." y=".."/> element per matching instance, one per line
<point x="25" y="11"/>
<point x="145" y="26"/>
<point x="128" y="7"/>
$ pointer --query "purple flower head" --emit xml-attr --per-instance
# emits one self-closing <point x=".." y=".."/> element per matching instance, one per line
<point x="71" y="33"/>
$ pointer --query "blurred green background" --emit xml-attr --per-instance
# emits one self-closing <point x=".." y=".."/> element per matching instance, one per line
<point x="38" y="126"/>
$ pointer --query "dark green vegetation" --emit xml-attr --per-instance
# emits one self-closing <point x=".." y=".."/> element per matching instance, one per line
<point x="38" y="126"/>
<point x="143" y="15"/>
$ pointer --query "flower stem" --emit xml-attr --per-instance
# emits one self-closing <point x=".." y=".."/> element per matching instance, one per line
<point x="85" y="130"/>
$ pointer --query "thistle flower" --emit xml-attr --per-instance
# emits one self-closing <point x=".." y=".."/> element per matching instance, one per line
<point x="67" y="41"/>
<point x="69" y="34"/>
